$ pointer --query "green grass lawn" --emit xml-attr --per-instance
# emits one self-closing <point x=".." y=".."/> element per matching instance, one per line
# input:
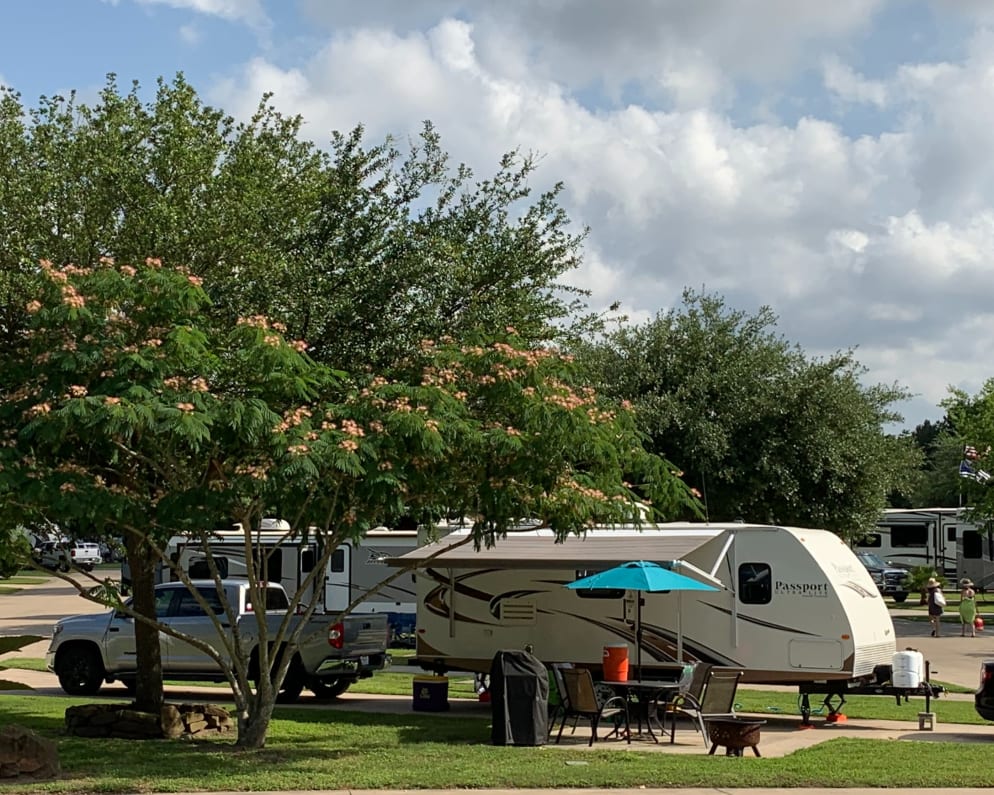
<point x="315" y="749"/>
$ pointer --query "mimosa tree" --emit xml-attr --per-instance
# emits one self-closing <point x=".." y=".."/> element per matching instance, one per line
<point x="128" y="407"/>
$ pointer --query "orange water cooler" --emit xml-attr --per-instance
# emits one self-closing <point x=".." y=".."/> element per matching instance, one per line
<point x="616" y="662"/>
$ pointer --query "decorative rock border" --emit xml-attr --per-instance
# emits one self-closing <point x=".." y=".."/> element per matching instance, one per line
<point x="124" y="721"/>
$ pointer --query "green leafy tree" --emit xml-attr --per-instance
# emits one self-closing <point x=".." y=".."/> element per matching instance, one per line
<point x="15" y="551"/>
<point x="137" y="410"/>
<point x="406" y="247"/>
<point x="764" y="433"/>
<point x="123" y="177"/>
<point x="971" y="418"/>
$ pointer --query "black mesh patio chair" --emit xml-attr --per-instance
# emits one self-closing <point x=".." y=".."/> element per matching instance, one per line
<point x="582" y="703"/>
<point x="716" y="701"/>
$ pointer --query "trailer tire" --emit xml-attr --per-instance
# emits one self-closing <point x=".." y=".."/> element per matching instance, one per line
<point x="80" y="670"/>
<point x="330" y="688"/>
<point x="900" y="597"/>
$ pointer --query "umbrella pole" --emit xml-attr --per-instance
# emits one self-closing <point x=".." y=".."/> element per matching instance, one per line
<point x="638" y="635"/>
<point x="679" y="627"/>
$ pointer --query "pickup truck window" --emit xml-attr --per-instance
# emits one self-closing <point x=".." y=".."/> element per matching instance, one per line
<point x="162" y="601"/>
<point x="186" y="604"/>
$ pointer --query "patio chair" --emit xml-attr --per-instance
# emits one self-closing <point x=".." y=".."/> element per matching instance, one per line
<point x="581" y="703"/>
<point x="558" y="703"/>
<point x="716" y="701"/>
<point x="691" y="690"/>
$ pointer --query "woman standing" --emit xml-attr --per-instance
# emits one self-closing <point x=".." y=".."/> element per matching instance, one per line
<point x="967" y="607"/>
<point x="936" y="601"/>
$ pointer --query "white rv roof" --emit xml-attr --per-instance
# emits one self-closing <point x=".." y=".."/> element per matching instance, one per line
<point x="537" y="549"/>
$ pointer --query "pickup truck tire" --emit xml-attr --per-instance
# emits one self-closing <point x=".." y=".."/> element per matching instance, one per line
<point x="293" y="682"/>
<point x="79" y="670"/>
<point x="330" y="688"/>
<point x="900" y="597"/>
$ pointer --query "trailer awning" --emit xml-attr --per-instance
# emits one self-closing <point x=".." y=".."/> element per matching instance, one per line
<point x="534" y="551"/>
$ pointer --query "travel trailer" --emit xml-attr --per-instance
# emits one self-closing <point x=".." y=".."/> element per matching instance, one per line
<point x="354" y="569"/>
<point x="938" y="537"/>
<point x="918" y="537"/>
<point x="794" y="605"/>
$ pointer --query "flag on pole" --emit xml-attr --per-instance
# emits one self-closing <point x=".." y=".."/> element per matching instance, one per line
<point x="967" y="468"/>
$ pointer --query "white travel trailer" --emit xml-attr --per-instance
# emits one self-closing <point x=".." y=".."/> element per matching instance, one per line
<point x="353" y="571"/>
<point x="796" y="606"/>
<point x="921" y="537"/>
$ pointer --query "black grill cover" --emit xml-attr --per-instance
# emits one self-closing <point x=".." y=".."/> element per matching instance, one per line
<point x="519" y="699"/>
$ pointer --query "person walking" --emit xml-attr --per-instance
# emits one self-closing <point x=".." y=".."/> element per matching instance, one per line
<point x="936" y="600"/>
<point x="967" y="607"/>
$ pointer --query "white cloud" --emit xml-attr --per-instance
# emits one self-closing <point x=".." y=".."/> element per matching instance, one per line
<point x="249" y="12"/>
<point x="190" y="34"/>
<point x="883" y="242"/>
<point x="845" y="83"/>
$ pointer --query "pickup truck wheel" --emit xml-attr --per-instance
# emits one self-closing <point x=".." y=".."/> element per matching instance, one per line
<point x="293" y="684"/>
<point x="900" y="597"/>
<point x="330" y="688"/>
<point x="80" y="671"/>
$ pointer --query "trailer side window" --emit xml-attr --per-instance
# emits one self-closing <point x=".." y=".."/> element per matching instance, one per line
<point x="199" y="569"/>
<point x="909" y="535"/>
<point x="595" y="593"/>
<point x="755" y="583"/>
<point x="870" y="540"/>
<point x="306" y="560"/>
<point x="951" y="533"/>
<point x="274" y="565"/>
<point x="338" y="560"/>
<point x="973" y="546"/>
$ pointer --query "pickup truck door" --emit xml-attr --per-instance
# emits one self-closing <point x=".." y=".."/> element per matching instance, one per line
<point x="119" y="637"/>
<point x="186" y="615"/>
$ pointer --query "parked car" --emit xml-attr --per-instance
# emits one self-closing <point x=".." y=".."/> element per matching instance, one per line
<point x="63" y="556"/>
<point x="983" y="700"/>
<point x="889" y="579"/>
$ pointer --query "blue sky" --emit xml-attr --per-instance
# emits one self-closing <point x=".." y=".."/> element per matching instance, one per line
<point x="827" y="160"/>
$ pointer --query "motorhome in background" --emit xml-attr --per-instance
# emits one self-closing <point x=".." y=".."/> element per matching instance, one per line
<point x="797" y="606"/>
<point x="919" y="537"/>
<point x="353" y="570"/>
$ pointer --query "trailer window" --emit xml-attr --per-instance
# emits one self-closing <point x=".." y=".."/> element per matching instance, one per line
<point x="595" y="593"/>
<point x="951" y="533"/>
<point x="909" y="535"/>
<point x="306" y="560"/>
<point x="755" y="583"/>
<point x="274" y="565"/>
<point x="338" y="560"/>
<point x="871" y="540"/>
<point x="199" y="569"/>
<point x="973" y="546"/>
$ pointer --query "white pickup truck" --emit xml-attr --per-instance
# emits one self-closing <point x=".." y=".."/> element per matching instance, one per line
<point x="88" y="650"/>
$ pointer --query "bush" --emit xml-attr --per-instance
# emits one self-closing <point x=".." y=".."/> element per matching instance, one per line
<point x="14" y="552"/>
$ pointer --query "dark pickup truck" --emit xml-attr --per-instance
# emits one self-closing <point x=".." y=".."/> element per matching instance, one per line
<point x="889" y="579"/>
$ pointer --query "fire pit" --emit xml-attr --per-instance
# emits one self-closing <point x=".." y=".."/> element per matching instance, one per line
<point x="734" y="735"/>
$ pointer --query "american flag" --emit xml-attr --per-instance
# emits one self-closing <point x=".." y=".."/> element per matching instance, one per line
<point x="968" y="470"/>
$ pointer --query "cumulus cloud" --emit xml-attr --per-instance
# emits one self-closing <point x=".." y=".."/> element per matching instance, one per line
<point x="249" y="12"/>
<point x="880" y="241"/>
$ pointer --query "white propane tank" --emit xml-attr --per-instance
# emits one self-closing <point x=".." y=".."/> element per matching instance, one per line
<point x="907" y="669"/>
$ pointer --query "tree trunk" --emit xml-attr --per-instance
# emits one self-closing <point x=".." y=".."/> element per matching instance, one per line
<point x="148" y="690"/>
<point x="253" y="726"/>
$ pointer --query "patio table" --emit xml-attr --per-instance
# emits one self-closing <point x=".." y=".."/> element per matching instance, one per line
<point x="641" y="694"/>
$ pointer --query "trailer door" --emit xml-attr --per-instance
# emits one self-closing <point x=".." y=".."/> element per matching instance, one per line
<point x="338" y="580"/>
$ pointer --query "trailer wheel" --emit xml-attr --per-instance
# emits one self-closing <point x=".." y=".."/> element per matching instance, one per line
<point x="79" y="670"/>
<point x="900" y="597"/>
<point x="330" y="688"/>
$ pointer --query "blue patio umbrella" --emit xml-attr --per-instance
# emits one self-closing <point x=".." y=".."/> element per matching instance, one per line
<point x="644" y="575"/>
